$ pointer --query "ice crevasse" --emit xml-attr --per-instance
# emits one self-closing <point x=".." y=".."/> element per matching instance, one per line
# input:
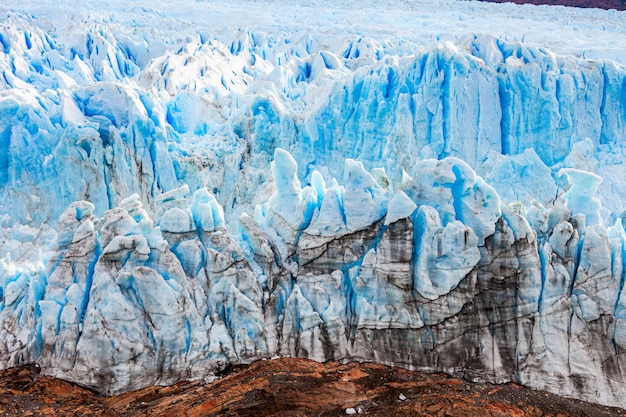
<point x="173" y="204"/>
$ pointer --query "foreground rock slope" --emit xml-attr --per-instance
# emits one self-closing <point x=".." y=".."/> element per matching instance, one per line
<point x="292" y="387"/>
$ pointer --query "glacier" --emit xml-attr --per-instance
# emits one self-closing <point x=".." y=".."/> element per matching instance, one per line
<point x="185" y="186"/>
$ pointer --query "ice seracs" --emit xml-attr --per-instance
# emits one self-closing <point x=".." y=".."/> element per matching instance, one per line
<point x="126" y="301"/>
<point x="241" y="184"/>
<point x="580" y="197"/>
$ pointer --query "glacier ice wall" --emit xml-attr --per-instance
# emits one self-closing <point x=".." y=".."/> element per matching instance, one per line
<point x="436" y="275"/>
<point x="129" y="113"/>
<point x="154" y="228"/>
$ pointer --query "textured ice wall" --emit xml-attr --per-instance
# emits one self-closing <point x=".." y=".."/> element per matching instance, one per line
<point x="418" y="265"/>
<point x="437" y="275"/>
<point x="96" y="110"/>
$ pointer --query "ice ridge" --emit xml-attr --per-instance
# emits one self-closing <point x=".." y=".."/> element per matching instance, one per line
<point x="129" y="113"/>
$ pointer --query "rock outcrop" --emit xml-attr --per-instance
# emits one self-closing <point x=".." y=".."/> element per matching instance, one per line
<point x="286" y="387"/>
<point x="596" y="4"/>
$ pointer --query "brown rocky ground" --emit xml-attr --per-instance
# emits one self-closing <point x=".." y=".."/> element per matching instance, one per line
<point x="598" y="4"/>
<point x="292" y="387"/>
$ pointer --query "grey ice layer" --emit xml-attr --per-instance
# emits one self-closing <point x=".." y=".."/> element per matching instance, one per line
<point x="438" y="275"/>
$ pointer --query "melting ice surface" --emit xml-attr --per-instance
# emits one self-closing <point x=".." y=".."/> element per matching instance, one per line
<point x="436" y="185"/>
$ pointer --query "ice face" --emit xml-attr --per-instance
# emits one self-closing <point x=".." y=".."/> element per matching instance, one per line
<point x="126" y="301"/>
<point x="101" y="97"/>
<point x="230" y="188"/>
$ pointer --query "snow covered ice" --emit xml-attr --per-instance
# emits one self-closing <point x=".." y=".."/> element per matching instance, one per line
<point x="437" y="185"/>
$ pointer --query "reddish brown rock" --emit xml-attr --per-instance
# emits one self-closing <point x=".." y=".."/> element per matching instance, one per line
<point x="292" y="387"/>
